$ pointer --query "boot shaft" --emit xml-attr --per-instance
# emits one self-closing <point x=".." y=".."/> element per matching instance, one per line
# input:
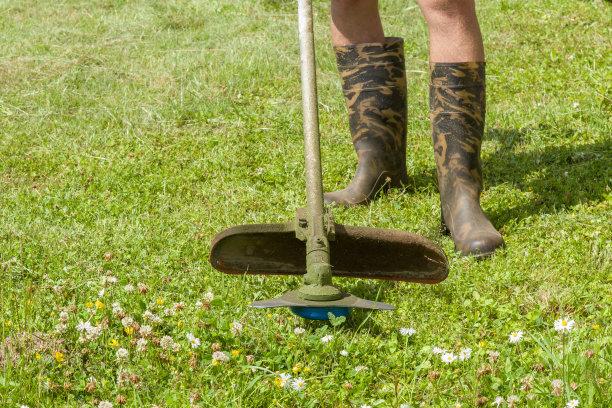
<point x="374" y="84"/>
<point x="457" y="110"/>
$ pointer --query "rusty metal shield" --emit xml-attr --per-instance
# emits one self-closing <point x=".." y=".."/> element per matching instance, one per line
<point x="355" y="252"/>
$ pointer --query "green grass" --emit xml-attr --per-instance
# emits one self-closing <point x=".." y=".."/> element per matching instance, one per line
<point x="143" y="128"/>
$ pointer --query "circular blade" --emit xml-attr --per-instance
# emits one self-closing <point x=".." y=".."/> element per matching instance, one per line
<point x="291" y="299"/>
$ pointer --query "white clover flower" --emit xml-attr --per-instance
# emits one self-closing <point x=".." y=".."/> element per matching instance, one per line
<point x="220" y="356"/>
<point x="147" y="315"/>
<point x="176" y="347"/>
<point x="299" y="330"/>
<point x="209" y="296"/>
<point x="101" y="293"/>
<point x="141" y="345"/>
<point x="556" y="383"/>
<point x="465" y="354"/>
<point x="63" y="317"/>
<point x="515" y="337"/>
<point x="129" y="289"/>
<point x="438" y="350"/>
<point x="193" y="340"/>
<point x="23" y="406"/>
<point x="60" y="328"/>
<point x="145" y="330"/>
<point x="169" y="312"/>
<point x="498" y="401"/>
<point x="117" y="308"/>
<point x="512" y="400"/>
<point x="83" y="326"/>
<point x="298" y="384"/>
<point x="327" y="338"/>
<point x="576" y="104"/>
<point x="448" y="358"/>
<point x="156" y="319"/>
<point x="122" y="354"/>
<point x="93" y="333"/>
<point x="572" y="403"/>
<point x="199" y="304"/>
<point x="344" y="353"/>
<point x="127" y="321"/>
<point x="404" y="406"/>
<point x="365" y="406"/>
<point x="166" y="342"/>
<point x="236" y="328"/>
<point x="105" y="404"/>
<point x="564" y="325"/>
<point x="407" y="331"/>
<point x="359" y="368"/>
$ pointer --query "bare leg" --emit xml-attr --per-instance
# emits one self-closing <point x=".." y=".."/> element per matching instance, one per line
<point x="355" y="22"/>
<point x="454" y="34"/>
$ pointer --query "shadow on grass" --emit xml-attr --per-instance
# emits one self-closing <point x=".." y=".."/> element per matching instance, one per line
<point x="557" y="177"/>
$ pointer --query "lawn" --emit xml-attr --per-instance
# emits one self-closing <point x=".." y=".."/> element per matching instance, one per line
<point x="131" y="132"/>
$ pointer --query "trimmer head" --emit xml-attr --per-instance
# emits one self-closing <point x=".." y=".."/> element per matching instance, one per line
<point x="314" y="245"/>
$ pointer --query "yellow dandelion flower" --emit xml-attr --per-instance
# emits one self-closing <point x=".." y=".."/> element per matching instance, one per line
<point x="160" y="301"/>
<point x="129" y="330"/>
<point x="601" y="380"/>
<point x="236" y="352"/>
<point x="595" y="326"/>
<point x="38" y="356"/>
<point x="89" y="305"/>
<point x="59" y="357"/>
<point x="8" y="324"/>
<point x="482" y="343"/>
<point x="459" y="344"/>
<point x="269" y="315"/>
<point x="180" y="323"/>
<point x="113" y="342"/>
<point x="99" y="304"/>
<point x="215" y="362"/>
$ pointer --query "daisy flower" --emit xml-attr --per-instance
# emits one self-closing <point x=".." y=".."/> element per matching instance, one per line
<point x="517" y="336"/>
<point x="457" y="405"/>
<point x="298" y="384"/>
<point x="465" y="354"/>
<point x="448" y="358"/>
<point x="573" y="403"/>
<point x="407" y="331"/>
<point x="282" y="380"/>
<point x="327" y="339"/>
<point x="195" y="342"/>
<point x="564" y="325"/>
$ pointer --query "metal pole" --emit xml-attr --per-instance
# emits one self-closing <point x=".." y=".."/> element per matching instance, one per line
<point x="317" y="281"/>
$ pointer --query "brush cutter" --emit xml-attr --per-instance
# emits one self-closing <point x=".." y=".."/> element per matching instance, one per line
<point x="313" y="245"/>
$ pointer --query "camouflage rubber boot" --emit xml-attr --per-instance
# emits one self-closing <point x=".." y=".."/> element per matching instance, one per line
<point x="374" y="83"/>
<point x="457" y="110"/>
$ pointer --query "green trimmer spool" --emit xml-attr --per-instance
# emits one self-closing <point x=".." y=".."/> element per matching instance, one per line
<point x="313" y="245"/>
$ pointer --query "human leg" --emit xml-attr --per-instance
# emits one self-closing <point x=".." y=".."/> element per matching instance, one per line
<point x="374" y="83"/>
<point x="457" y="110"/>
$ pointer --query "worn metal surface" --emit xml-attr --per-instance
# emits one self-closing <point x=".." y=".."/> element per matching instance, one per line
<point x="355" y="252"/>
<point x="347" y="300"/>
<point x="318" y="278"/>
